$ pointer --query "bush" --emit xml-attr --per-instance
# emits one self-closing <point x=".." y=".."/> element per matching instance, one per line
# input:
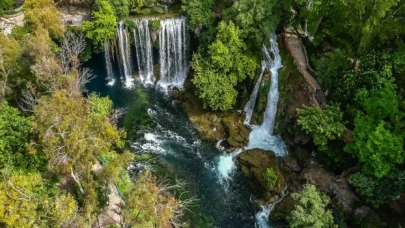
<point x="310" y="209"/>
<point x="271" y="177"/>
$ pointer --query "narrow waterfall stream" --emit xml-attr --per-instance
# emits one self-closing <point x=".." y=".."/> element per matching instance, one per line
<point x="108" y="64"/>
<point x="144" y="50"/>
<point x="250" y="106"/>
<point x="125" y="54"/>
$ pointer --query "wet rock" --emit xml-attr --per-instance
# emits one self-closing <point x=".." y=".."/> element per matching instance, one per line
<point x="342" y="194"/>
<point x="176" y="94"/>
<point x="319" y="177"/>
<point x="362" y="212"/>
<point x="291" y="164"/>
<point x="207" y="123"/>
<point x="254" y="164"/>
<point x="366" y="217"/>
<point x="281" y="210"/>
<point x="238" y="134"/>
<point x="154" y="36"/>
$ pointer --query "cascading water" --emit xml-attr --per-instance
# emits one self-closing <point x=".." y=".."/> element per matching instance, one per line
<point x="125" y="54"/>
<point x="250" y="106"/>
<point x="143" y="47"/>
<point x="261" y="136"/>
<point x="262" y="217"/>
<point x="108" y="64"/>
<point x="173" y="52"/>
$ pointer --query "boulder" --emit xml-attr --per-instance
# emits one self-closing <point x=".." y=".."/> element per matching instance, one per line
<point x="291" y="164"/>
<point x="337" y="188"/>
<point x="238" y="134"/>
<point x="254" y="164"/>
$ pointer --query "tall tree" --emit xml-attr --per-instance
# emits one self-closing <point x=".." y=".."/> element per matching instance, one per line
<point x="103" y="26"/>
<point x="43" y="13"/>
<point x="310" y="209"/>
<point x="378" y="137"/>
<point x="228" y="64"/>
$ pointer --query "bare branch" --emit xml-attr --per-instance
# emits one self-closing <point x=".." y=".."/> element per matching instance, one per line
<point x="28" y="102"/>
<point x="118" y="113"/>
<point x="73" y="45"/>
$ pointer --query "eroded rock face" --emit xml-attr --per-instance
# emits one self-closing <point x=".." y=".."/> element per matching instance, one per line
<point x="254" y="164"/>
<point x="282" y="210"/>
<point x="337" y="188"/>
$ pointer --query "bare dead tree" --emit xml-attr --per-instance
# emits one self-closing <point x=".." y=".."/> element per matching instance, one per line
<point x="118" y="113"/>
<point x="28" y="102"/>
<point x="73" y="45"/>
<point x="85" y="76"/>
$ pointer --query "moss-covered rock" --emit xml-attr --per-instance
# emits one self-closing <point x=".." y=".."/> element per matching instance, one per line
<point x="207" y="123"/>
<point x="282" y="209"/>
<point x="254" y="164"/>
<point x="238" y="134"/>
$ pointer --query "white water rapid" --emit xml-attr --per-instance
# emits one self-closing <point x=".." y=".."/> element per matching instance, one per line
<point x="173" y="52"/>
<point x="261" y="136"/>
<point x="108" y="64"/>
<point x="144" y="50"/>
<point x="125" y="54"/>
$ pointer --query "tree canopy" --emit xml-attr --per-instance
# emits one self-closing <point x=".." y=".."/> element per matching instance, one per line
<point x="228" y="63"/>
<point x="103" y="26"/>
<point x="310" y="209"/>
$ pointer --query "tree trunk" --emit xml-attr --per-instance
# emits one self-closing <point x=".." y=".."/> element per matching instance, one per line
<point x="77" y="182"/>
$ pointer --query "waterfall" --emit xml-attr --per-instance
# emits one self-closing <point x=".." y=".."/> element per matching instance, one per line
<point x="261" y="136"/>
<point x="262" y="217"/>
<point x="143" y="47"/>
<point x="108" y="64"/>
<point x="173" y="52"/>
<point x="250" y="106"/>
<point x="125" y="54"/>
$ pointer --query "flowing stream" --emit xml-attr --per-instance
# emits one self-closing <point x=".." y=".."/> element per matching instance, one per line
<point x="173" y="141"/>
<point x="179" y="150"/>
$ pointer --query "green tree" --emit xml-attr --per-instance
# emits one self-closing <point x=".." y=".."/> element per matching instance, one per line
<point x="72" y="133"/>
<point x="255" y="18"/>
<point x="199" y="13"/>
<point x="378" y="139"/>
<point x="310" y="209"/>
<point x="135" y="5"/>
<point x="43" y="13"/>
<point x="121" y="8"/>
<point x="228" y="64"/>
<point x="14" y="131"/>
<point x="5" y="5"/>
<point x="323" y="125"/>
<point x="378" y="191"/>
<point x="147" y="205"/>
<point x="271" y="177"/>
<point x="103" y="26"/>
